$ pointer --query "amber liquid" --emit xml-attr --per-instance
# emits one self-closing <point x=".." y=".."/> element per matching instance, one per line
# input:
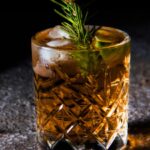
<point x="83" y="109"/>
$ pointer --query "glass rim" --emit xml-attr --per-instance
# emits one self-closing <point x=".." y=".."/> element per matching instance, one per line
<point x="126" y="40"/>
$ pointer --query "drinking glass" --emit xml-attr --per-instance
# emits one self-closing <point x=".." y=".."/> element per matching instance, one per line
<point x="81" y="95"/>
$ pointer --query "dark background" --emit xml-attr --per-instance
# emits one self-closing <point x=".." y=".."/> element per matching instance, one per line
<point x="19" y="20"/>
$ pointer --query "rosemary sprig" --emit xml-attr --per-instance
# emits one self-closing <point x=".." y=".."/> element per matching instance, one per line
<point x="75" y="22"/>
<point x="80" y="34"/>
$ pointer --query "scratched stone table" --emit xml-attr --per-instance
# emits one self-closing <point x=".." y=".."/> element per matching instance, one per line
<point x="17" y="111"/>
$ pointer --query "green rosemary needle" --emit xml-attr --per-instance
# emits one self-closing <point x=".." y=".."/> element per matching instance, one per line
<point x="75" y="22"/>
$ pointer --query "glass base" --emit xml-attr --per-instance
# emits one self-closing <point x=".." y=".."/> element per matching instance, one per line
<point x="65" y="144"/>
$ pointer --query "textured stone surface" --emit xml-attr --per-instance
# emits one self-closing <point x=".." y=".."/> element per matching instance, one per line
<point x="17" y="121"/>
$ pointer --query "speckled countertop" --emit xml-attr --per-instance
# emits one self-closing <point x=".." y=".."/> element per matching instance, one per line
<point x="17" y="116"/>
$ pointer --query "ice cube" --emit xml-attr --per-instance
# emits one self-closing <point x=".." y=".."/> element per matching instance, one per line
<point x="58" y="32"/>
<point x="59" y="43"/>
<point x="50" y="55"/>
<point x="41" y="70"/>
